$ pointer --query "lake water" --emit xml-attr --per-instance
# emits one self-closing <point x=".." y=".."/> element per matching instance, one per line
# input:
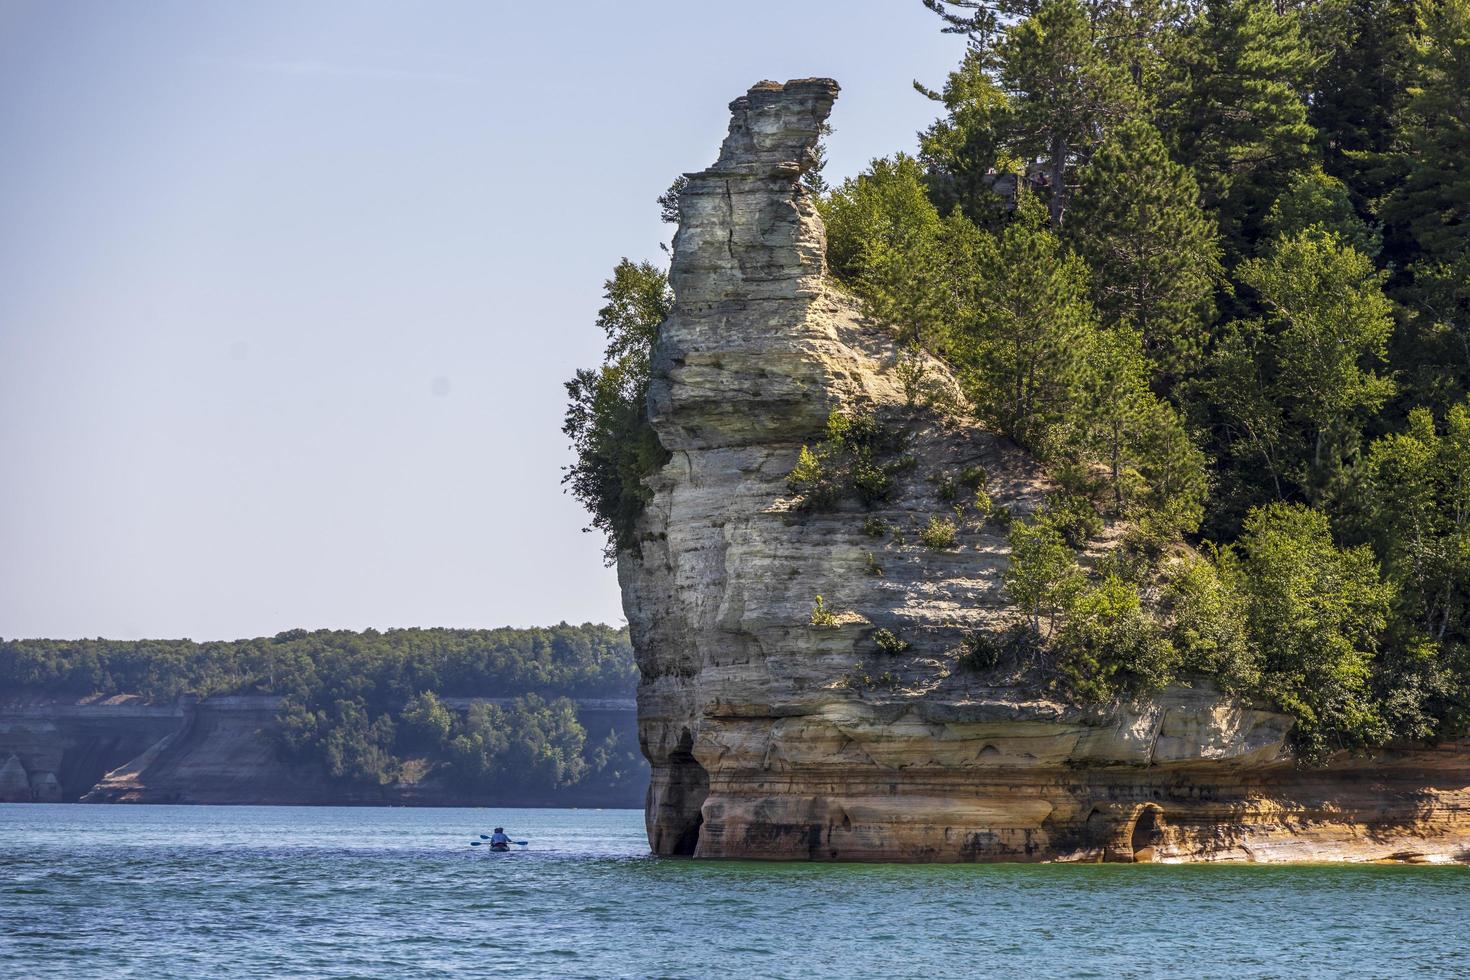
<point x="206" y="892"/>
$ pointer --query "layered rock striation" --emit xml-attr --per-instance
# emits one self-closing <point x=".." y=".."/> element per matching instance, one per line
<point x="771" y="737"/>
<point x="221" y="750"/>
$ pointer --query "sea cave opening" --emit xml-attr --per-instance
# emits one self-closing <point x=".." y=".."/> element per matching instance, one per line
<point x="688" y="787"/>
<point x="1148" y="832"/>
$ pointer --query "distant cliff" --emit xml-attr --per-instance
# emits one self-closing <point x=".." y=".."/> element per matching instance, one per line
<point x="811" y="682"/>
<point x="221" y="750"/>
<point x="398" y="716"/>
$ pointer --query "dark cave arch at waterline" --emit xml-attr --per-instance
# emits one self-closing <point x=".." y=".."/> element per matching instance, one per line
<point x="1147" y="832"/>
<point x="688" y="787"/>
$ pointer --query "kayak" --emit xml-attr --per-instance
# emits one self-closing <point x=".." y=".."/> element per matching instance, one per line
<point x="499" y="847"/>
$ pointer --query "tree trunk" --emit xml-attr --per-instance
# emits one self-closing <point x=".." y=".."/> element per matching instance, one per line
<point x="1058" y="176"/>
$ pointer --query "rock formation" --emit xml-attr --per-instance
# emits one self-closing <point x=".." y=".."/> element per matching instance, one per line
<point x="770" y="737"/>
<point x="15" y="782"/>
<point x="218" y="750"/>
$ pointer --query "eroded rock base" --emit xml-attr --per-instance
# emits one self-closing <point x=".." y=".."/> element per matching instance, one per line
<point x="1122" y="817"/>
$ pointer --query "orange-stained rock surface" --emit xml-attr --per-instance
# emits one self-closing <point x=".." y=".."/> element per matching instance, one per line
<point x="773" y="738"/>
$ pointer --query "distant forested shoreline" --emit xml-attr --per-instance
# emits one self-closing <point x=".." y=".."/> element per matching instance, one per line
<point x="370" y="707"/>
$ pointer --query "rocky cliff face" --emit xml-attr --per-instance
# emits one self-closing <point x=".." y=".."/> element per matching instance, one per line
<point x="770" y="737"/>
<point x="217" y="750"/>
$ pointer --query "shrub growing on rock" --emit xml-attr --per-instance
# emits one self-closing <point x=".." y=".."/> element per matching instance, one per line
<point x="847" y="460"/>
<point x="939" y="533"/>
<point x="890" y="642"/>
<point x="983" y="504"/>
<point x="811" y="482"/>
<point x="981" y="653"/>
<point x="821" y="615"/>
<point x="1075" y="518"/>
<point x="869" y="481"/>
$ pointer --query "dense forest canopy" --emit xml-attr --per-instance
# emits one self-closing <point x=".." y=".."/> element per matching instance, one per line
<point x="589" y="661"/>
<point x="370" y="706"/>
<point x="1210" y="263"/>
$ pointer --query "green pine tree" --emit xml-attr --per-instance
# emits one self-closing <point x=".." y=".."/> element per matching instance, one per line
<point x="1155" y="256"/>
<point x="1063" y="89"/>
<point x="1235" y="111"/>
<point x="1361" y="89"/>
<point x="965" y="154"/>
<point x="1430" y="211"/>
<point x="1154" y="469"/>
<point x="1427" y="216"/>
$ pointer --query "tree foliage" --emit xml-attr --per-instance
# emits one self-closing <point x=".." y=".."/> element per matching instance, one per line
<point x="1293" y="388"/>
<point x="531" y="744"/>
<point x="1062" y="91"/>
<point x="1317" y="614"/>
<point x="1022" y="338"/>
<point x="1110" y="644"/>
<point x="1154" y="253"/>
<point x="1317" y="202"/>
<point x="1042" y="575"/>
<point x="607" y="417"/>
<point x="1430" y="208"/>
<point x="1154" y="468"/>
<point x="885" y="208"/>
<point x="1235" y="109"/>
<point x="1418" y="509"/>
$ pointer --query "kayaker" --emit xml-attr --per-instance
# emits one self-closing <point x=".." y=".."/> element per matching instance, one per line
<point x="499" y="841"/>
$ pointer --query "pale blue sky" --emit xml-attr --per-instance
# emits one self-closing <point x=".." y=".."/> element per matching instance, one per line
<point x="288" y="290"/>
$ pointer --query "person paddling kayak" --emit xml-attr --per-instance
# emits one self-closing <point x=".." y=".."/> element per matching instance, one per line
<point x="499" y="841"/>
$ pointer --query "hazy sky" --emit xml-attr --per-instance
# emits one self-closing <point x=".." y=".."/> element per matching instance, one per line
<point x="288" y="290"/>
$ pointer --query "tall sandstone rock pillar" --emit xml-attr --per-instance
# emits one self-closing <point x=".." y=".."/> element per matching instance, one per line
<point x="735" y="371"/>
<point x="771" y="737"/>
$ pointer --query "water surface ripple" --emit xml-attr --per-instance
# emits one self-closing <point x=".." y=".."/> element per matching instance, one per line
<point x="209" y="892"/>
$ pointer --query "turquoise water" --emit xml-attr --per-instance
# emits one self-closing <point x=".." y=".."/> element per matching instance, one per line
<point x="205" y="892"/>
